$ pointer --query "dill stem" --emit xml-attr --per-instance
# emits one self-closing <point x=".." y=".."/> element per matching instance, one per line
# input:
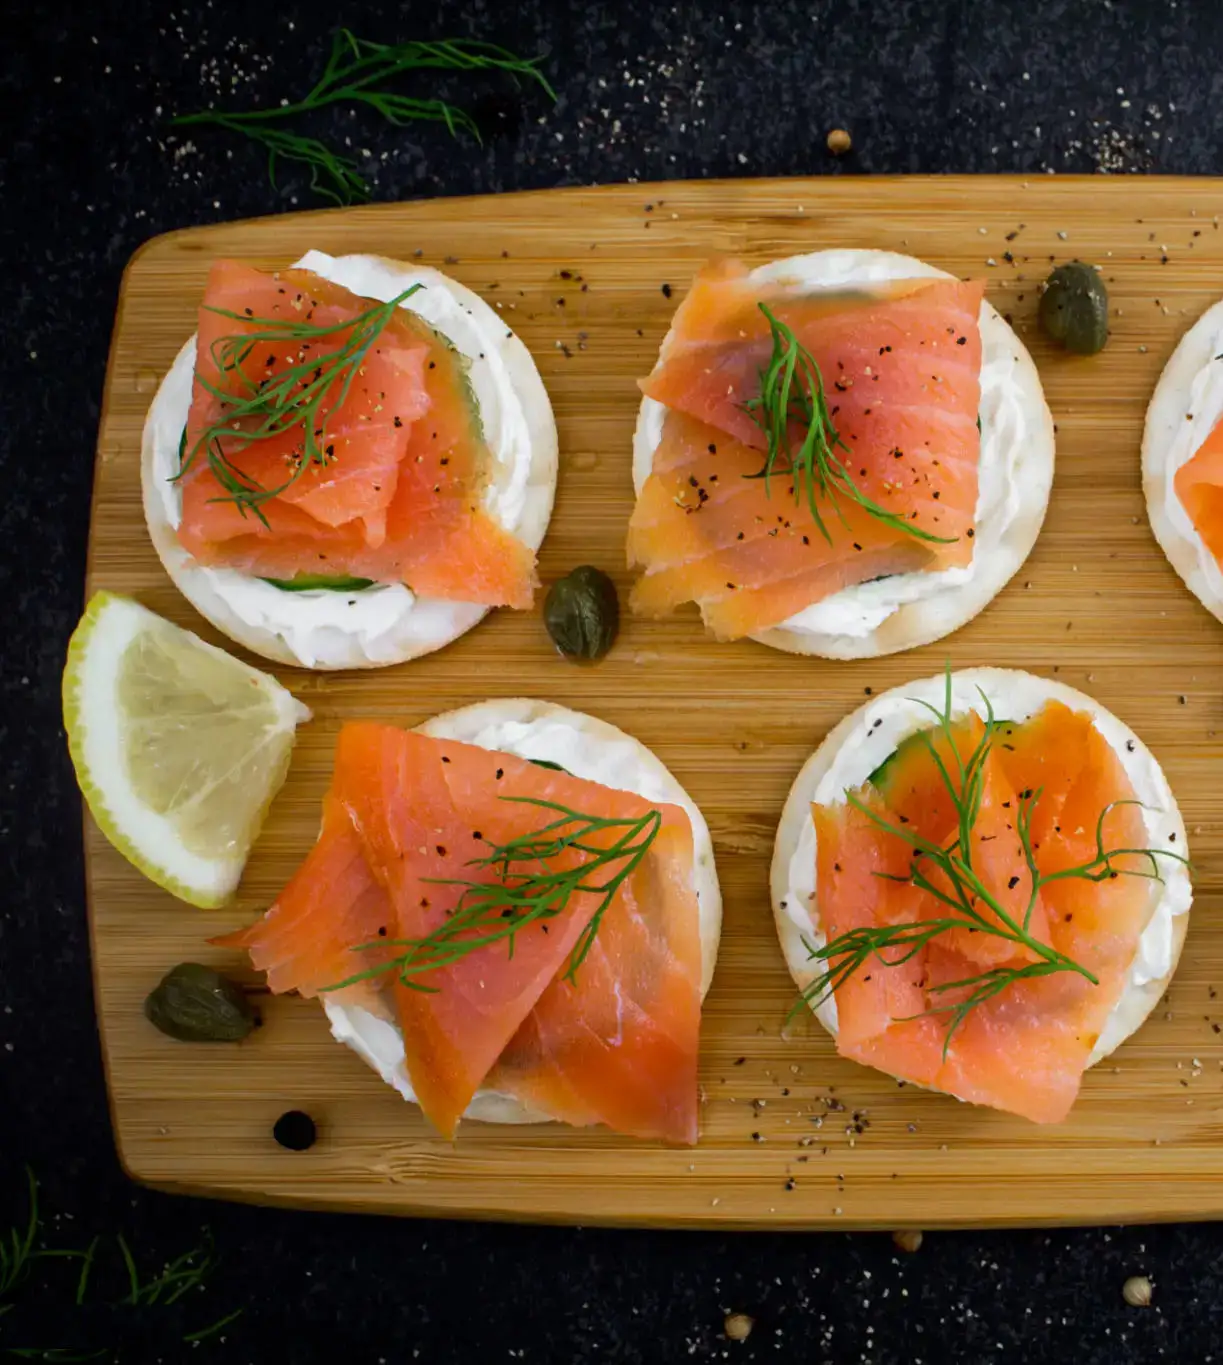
<point x="962" y="876"/>
<point x="294" y="397"/>
<point x="355" y="73"/>
<point x="792" y="394"/>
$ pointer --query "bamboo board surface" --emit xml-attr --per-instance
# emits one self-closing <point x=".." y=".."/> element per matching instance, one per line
<point x="579" y="274"/>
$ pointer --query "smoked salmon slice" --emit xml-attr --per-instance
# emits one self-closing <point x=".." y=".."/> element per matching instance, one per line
<point x="900" y="368"/>
<point x="331" y="905"/>
<point x="1199" y="486"/>
<point x="618" y="1046"/>
<point x="399" y="494"/>
<point x="409" y="824"/>
<point x="1025" y="1048"/>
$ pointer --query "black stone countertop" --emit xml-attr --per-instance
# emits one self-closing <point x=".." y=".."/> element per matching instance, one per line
<point x="88" y="171"/>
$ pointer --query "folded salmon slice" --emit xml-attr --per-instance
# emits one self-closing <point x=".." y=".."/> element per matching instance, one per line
<point x="712" y="481"/>
<point x="900" y="364"/>
<point x="323" y="920"/>
<point x="618" y="1046"/>
<point x="407" y="817"/>
<point x="1025" y="1049"/>
<point x="1199" y="486"/>
<point x="909" y="344"/>
<point x="401" y="495"/>
<point x="709" y="531"/>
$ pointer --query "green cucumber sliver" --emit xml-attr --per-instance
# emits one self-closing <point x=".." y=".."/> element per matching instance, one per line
<point x="878" y="777"/>
<point x="310" y="582"/>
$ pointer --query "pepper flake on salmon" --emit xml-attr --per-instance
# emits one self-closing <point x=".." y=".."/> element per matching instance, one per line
<point x="527" y="931"/>
<point x="981" y="898"/>
<point x="812" y="442"/>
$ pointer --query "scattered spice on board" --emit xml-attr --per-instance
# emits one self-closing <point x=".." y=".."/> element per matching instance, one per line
<point x="839" y="142"/>
<point x="1136" y="1291"/>
<point x="738" y="1326"/>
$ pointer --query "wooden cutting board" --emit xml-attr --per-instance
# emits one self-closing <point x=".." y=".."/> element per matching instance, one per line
<point x="792" y="1136"/>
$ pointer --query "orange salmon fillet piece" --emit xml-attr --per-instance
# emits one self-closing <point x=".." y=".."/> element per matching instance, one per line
<point x="310" y="937"/>
<point x="407" y="813"/>
<point x="1025" y="1049"/>
<point x="1199" y="486"/>
<point x="900" y="364"/>
<point x="400" y="498"/>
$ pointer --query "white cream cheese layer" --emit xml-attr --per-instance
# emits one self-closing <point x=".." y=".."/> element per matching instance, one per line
<point x="383" y="624"/>
<point x="875" y="731"/>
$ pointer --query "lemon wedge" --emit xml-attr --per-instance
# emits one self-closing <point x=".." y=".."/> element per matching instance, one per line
<point x="178" y="748"/>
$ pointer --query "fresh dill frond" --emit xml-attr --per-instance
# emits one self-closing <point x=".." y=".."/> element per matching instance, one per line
<point x="792" y="399"/>
<point x="298" y="397"/>
<point x="525" y="889"/>
<point x="17" y="1249"/>
<point x="89" y="1332"/>
<point x="363" y="73"/>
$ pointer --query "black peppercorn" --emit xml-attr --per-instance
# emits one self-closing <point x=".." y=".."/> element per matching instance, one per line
<point x="295" y="1130"/>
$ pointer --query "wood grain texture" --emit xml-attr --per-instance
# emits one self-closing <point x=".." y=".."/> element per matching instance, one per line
<point x="579" y="274"/>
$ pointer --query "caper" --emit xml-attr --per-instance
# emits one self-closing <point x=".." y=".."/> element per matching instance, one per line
<point x="196" y="1004"/>
<point x="582" y="613"/>
<point x="1074" y="308"/>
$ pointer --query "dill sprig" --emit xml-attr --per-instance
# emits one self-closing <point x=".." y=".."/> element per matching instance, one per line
<point x="358" y="72"/>
<point x="301" y="395"/>
<point x="17" y="1249"/>
<point x="792" y="395"/>
<point x="971" y="904"/>
<point x="525" y="890"/>
<point x="179" y="1277"/>
<point x="19" y="1253"/>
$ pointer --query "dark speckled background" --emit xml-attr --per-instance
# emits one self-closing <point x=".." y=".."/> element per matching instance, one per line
<point x="88" y="171"/>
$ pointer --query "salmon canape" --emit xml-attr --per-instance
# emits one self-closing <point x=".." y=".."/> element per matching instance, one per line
<point x="512" y="914"/>
<point x="981" y="886"/>
<point x="1182" y="460"/>
<point x="350" y="463"/>
<point x="844" y="454"/>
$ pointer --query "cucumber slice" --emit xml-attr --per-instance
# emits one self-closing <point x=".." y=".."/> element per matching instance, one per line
<point x="302" y="582"/>
<point x="880" y="777"/>
<point x="308" y="582"/>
